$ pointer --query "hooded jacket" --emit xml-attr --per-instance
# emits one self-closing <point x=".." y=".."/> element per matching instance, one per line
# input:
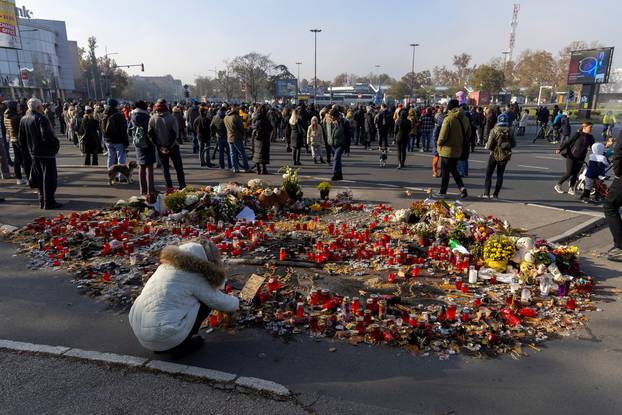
<point x="219" y="130"/>
<point x="163" y="130"/>
<point x="235" y="127"/>
<point x="165" y="311"/>
<point x="597" y="162"/>
<point x="451" y="137"/>
<point x="114" y="127"/>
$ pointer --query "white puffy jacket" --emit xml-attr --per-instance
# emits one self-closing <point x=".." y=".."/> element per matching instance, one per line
<point x="163" y="314"/>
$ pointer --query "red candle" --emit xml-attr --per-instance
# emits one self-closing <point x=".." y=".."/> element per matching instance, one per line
<point x="571" y="304"/>
<point x="464" y="288"/>
<point x="415" y="272"/>
<point x="213" y="320"/>
<point x="391" y="277"/>
<point x="282" y="254"/>
<point x="300" y="310"/>
<point x="451" y="312"/>
<point x="458" y="283"/>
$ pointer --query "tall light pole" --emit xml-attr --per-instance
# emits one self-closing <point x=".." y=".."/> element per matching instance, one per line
<point x="298" y="82"/>
<point x="315" y="32"/>
<point x="505" y="61"/>
<point x="412" y="71"/>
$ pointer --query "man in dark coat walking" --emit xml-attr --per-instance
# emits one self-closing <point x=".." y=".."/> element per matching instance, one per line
<point x="262" y="133"/>
<point x="35" y="134"/>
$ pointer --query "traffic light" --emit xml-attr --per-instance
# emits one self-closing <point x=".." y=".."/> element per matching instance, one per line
<point x="142" y="67"/>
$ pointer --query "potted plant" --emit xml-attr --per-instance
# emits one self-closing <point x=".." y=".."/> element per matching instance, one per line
<point x="497" y="252"/>
<point x="291" y="184"/>
<point x="324" y="189"/>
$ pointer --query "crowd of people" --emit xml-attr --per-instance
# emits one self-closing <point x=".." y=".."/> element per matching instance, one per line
<point x="236" y="135"/>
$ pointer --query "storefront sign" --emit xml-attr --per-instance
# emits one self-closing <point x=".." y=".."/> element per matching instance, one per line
<point x="9" y="33"/>
<point x="23" y="12"/>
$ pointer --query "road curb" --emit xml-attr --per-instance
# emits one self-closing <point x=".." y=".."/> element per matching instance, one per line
<point x="572" y="232"/>
<point x="223" y="380"/>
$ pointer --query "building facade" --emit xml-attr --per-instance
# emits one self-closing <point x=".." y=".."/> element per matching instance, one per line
<point x="43" y="67"/>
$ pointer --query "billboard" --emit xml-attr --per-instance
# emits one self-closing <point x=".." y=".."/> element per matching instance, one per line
<point x="9" y="32"/>
<point x="286" y="87"/>
<point x="590" y="66"/>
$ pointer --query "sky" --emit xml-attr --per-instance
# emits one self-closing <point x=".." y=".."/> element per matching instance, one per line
<point x="192" y="37"/>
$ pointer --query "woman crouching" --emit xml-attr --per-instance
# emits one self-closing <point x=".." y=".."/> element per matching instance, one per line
<point x="168" y="313"/>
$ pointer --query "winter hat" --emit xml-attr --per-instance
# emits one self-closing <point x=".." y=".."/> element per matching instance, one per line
<point x="453" y="103"/>
<point x="503" y="120"/>
<point x="112" y="103"/>
<point x="161" y="106"/>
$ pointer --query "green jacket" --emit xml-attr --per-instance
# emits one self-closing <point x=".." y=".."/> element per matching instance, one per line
<point x="450" y="139"/>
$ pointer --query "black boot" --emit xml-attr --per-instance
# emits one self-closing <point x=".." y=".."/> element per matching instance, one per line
<point x="52" y="205"/>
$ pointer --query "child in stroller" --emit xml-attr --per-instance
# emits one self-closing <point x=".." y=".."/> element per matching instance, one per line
<point x="592" y="179"/>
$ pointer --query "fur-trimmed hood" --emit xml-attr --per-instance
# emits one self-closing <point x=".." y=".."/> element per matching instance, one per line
<point x="213" y="272"/>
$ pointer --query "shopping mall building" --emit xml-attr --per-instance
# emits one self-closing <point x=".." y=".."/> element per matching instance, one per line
<point x="45" y="65"/>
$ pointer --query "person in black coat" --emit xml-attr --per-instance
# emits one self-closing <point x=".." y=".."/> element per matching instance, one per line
<point x="262" y="133"/>
<point x="403" y="126"/>
<point x="613" y="203"/>
<point x="202" y="129"/>
<point x="90" y="139"/>
<point x="296" y="132"/>
<point x="575" y="150"/>
<point x="35" y="134"/>
<point x="370" y="128"/>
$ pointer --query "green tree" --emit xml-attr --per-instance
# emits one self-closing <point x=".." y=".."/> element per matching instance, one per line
<point x="399" y="90"/>
<point x="487" y="78"/>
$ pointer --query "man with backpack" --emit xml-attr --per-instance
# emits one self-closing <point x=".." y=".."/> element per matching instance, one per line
<point x="114" y="129"/>
<point x="500" y="144"/>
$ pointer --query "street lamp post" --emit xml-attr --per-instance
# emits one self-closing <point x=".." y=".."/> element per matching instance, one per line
<point x="315" y="32"/>
<point x="412" y="71"/>
<point x="298" y="81"/>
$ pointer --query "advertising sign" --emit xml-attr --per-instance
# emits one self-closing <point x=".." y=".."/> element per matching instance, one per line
<point x="286" y="87"/>
<point x="9" y="32"/>
<point x="590" y="66"/>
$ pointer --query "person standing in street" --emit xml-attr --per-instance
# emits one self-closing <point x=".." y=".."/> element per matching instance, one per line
<point x="90" y="140"/>
<point x="296" y="132"/>
<point x="315" y="139"/>
<point x="163" y="132"/>
<point x="336" y="136"/>
<point x="235" y="138"/>
<point x="262" y="133"/>
<point x="138" y="128"/>
<point x="178" y="114"/>
<point x="574" y="151"/>
<point x="114" y="129"/>
<point x="191" y="116"/>
<point x="450" y="144"/>
<point x="613" y="203"/>
<point x="427" y="128"/>
<point x="219" y="132"/>
<point x="21" y="156"/>
<point x="370" y="128"/>
<point x="440" y="116"/>
<point x="500" y="144"/>
<point x="382" y="126"/>
<point x="403" y="128"/>
<point x="36" y="134"/>
<point x="202" y="131"/>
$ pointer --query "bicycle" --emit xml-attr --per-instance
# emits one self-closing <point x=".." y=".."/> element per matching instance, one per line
<point x="545" y="131"/>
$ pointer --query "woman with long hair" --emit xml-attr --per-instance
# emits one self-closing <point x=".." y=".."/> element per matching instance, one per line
<point x="296" y="135"/>
<point x="90" y="142"/>
<point x="145" y="149"/>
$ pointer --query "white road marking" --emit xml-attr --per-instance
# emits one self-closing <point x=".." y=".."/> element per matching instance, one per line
<point x="533" y="167"/>
<point x="548" y="158"/>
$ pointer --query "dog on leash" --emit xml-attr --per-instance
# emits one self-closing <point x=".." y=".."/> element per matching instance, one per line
<point x="124" y="170"/>
<point x="383" y="157"/>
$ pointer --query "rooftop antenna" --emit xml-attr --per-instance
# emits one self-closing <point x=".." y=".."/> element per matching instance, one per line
<point x="513" y="24"/>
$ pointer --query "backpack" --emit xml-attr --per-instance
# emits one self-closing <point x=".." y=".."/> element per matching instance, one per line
<point x="139" y="137"/>
<point x="503" y="149"/>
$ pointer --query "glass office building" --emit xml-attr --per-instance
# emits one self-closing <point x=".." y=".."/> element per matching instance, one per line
<point x="43" y="67"/>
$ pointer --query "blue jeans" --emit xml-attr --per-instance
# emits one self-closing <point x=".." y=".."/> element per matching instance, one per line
<point x="116" y="155"/>
<point x="236" y="151"/>
<point x="337" y="160"/>
<point x="195" y="142"/>
<point x="463" y="167"/>
<point x="425" y="138"/>
<point x="222" y="149"/>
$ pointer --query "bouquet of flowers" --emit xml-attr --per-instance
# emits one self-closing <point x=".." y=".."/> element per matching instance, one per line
<point x="497" y="252"/>
<point x="291" y="183"/>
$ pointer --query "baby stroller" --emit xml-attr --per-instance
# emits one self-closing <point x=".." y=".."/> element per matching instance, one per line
<point x="600" y="191"/>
